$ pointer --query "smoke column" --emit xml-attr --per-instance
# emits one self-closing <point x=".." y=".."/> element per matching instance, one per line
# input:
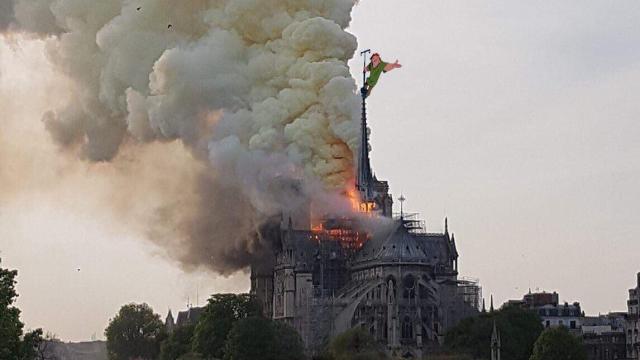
<point x="258" y="91"/>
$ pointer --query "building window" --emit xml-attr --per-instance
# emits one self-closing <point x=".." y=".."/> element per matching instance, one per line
<point x="572" y="324"/>
<point x="547" y="323"/>
<point x="409" y="284"/>
<point x="407" y="328"/>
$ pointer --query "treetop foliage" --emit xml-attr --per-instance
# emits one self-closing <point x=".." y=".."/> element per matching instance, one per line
<point x="519" y="330"/>
<point x="220" y="314"/>
<point x="13" y="345"/>
<point x="355" y="344"/>
<point x="558" y="343"/>
<point x="260" y="338"/>
<point x="135" y="332"/>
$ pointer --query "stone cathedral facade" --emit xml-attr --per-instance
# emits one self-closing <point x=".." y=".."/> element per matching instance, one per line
<point x="399" y="282"/>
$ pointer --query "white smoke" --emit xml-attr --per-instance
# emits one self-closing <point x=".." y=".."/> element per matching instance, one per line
<point x="259" y="90"/>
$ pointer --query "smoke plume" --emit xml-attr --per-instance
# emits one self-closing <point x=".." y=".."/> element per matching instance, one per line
<point x="257" y="91"/>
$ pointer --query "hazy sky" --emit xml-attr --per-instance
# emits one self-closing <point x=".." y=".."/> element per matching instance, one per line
<point x="517" y="120"/>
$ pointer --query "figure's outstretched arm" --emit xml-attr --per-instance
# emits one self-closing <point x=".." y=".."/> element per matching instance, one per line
<point x="390" y="67"/>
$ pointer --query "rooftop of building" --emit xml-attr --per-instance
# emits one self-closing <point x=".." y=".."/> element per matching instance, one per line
<point x="402" y="244"/>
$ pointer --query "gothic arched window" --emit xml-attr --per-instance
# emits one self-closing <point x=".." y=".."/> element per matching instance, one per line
<point x="409" y="285"/>
<point x="407" y="328"/>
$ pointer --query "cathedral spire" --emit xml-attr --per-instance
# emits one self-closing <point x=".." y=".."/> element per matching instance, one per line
<point x="491" y="306"/>
<point x="446" y="225"/>
<point x="364" y="181"/>
<point x="364" y="177"/>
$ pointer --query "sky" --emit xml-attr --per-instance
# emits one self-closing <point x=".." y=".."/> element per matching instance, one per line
<point x="516" y="120"/>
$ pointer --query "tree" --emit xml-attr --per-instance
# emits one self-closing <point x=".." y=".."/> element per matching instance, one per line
<point x="43" y="347"/>
<point x="260" y="338"/>
<point x="135" y="332"/>
<point x="219" y="316"/>
<point x="355" y="344"/>
<point x="178" y="343"/>
<point x="520" y="329"/>
<point x="289" y="345"/>
<point x="10" y="325"/>
<point x="13" y="346"/>
<point x="558" y="343"/>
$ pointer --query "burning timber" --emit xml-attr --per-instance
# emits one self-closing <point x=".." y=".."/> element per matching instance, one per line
<point x="398" y="282"/>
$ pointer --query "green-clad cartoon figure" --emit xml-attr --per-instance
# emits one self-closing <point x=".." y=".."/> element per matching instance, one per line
<point x="376" y="67"/>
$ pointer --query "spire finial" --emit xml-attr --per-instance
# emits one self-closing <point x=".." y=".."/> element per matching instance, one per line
<point x="402" y="200"/>
<point x="446" y="225"/>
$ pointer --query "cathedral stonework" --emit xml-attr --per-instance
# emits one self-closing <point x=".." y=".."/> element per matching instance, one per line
<point x="401" y="286"/>
<point x="399" y="282"/>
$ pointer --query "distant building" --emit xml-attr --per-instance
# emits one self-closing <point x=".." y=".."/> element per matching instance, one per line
<point x="89" y="350"/>
<point x="187" y="317"/>
<point x="633" y="324"/>
<point x="552" y="313"/>
<point x="604" y="336"/>
<point x="169" y="323"/>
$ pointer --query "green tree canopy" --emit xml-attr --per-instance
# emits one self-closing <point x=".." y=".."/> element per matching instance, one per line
<point x="288" y="343"/>
<point x="135" y="332"/>
<point x="10" y="325"/>
<point x="178" y="343"/>
<point x="260" y="338"/>
<point x="13" y="345"/>
<point x="558" y="344"/>
<point x="519" y="330"/>
<point x="355" y="344"/>
<point x="215" y="323"/>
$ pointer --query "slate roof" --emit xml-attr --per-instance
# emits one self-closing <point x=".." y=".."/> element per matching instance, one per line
<point x="398" y="245"/>
<point x="189" y="316"/>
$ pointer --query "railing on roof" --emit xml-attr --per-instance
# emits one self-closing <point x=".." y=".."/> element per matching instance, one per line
<point x="412" y="222"/>
<point x="471" y="291"/>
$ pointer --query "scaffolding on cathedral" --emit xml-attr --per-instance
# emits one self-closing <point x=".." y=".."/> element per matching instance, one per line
<point x="471" y="291"/>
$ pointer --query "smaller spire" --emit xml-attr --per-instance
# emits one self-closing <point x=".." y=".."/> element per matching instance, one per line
<point x="402" y="200"/>
<point x="446" y="225"/>
<point x="494" y="335"/>
<point x="484" y="306"/>
<point x="491" y="306"/>
<point x="495" y="343"/>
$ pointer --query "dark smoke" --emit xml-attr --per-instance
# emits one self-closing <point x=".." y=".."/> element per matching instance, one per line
<point x="7" y="15"/>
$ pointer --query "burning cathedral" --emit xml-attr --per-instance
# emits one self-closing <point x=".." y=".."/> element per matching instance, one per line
<point x="400" y="283"/>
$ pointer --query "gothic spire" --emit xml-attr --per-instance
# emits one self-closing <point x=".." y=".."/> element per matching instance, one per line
<point x="495" y="343"/>
<point x="364" y="179"/>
